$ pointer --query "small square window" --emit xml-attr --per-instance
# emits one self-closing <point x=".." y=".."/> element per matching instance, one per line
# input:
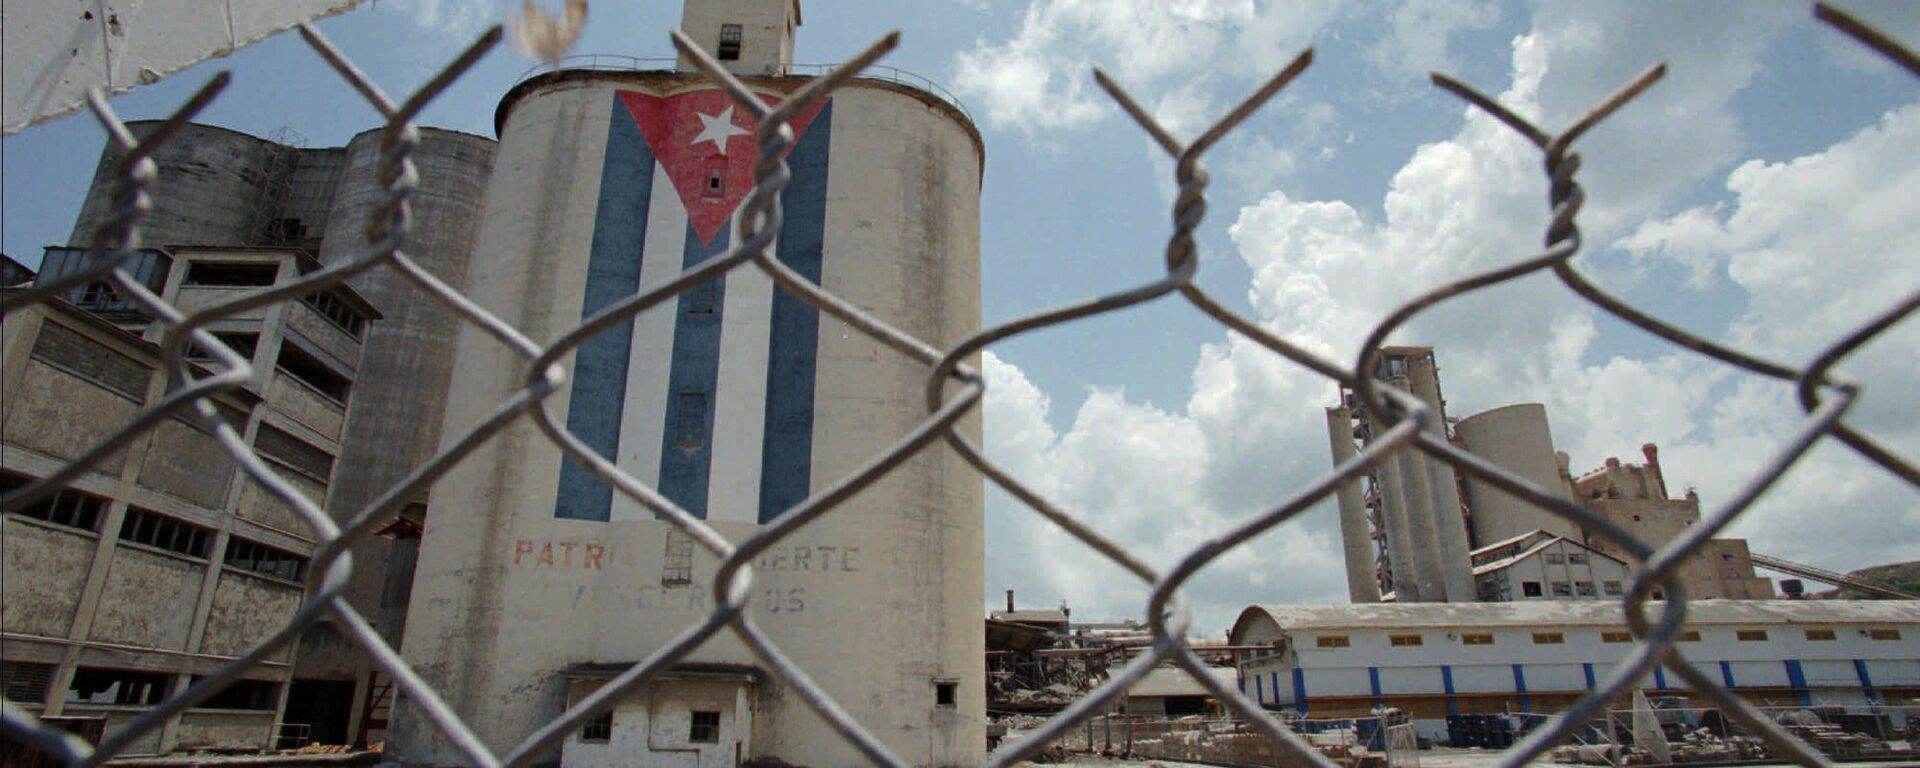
<point x="1577" y="558"/>
<point x="1583" y="588"/>
<point x="1820" y="634"/>
<point x="946" y="694"/>
<point x="1751" y="635"/>
<point x="1611" y="587"/>
<point x="1562" y="589"/>
<point x="1616" y="637"/>
<point x="1548" y="638"/>
<point x="1476" y="639"/>
<point x="705" y="728"/>
<point x="1530" y="588"/>
<point x="1330" y="641"/>
<point x="599" y="730"/>
<point x="1554" y="558"/>
<point x="729" y="42"/>
<point x="690" y="421"/>
<point x="1405" y="640"/>
<point x="1883" y="634"/>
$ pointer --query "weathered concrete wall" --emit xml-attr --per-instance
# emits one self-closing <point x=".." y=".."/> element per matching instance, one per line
<point x="245" y="610"/>
<point x="44" y="573"/>
<point x="117" y="719"/>
<point x="188" y="463"/>
<point x="225" y="730"/>
<point x="261" y="507"/>
<point x="304" y="404"/>
<point x="128" y="612"/>
<point x="58" y="413"/>
<point x="209" y="181"/>
<point x="876" y="600"/>
<point x="323" y="334"/>
<point x="657" y="718"/>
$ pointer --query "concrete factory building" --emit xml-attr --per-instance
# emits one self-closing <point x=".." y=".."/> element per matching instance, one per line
<point x="168" y="516"/>
<point x="1407" y="526"/>
<point x="535" y="581"/>
<point x="349" y="396"/>
<point x="1437" y="660"/>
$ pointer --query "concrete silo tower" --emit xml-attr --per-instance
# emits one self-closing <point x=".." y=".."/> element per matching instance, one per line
<point x="535" y="582"/>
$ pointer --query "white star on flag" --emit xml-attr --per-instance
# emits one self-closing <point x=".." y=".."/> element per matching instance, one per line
<point x="717" y="129"/>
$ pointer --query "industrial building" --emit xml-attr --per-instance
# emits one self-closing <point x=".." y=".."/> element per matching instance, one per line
<point x="1433" y="661"/>
<point x="233" y="213"/>
<point x="160" y="563"/>
<point x="1414" y="530"/>
<point x="535" y="580"/>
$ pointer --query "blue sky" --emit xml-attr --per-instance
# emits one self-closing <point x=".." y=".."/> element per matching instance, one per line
<point x="1755" y="196"/>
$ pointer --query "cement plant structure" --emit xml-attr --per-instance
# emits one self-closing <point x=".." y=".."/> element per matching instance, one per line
<point x="535" y="582"/>
<point x="1416" y="531"/>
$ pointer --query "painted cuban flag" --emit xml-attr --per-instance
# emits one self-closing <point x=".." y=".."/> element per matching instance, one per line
<point x="710" y="400"/>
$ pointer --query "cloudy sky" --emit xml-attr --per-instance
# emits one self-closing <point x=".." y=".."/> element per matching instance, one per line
<point x="1759" y="195"/>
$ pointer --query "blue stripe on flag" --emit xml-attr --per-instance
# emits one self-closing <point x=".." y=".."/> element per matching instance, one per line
<point x="686" y="446"/>
<point x="786" y="454"/>
<point x="599" y="387"/>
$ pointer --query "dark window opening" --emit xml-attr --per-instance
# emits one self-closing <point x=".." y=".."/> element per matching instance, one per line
<point x="116" y="686"/>
<point x="716" y="178"/>
<point x="244" y="694"/>
<point x="242" y="343"/>
<point x="98" y="294"/>
<point x="337" y="311"/>
<point x="690" y="421"/>
<point x="265" y="560"/>
<point x="287" y="230"/>
<point x="230" y="274"/>
<point x="945" y="694"/>
<point x="25" y="682"/>
<point x="153" y="529"/>
<point x="1530" y="588"/>
<point x="598" y="730"/>
<point x="729" y="42"/>
<point x="70" y="508"/>
<point x="309" y="370"/>
<point x="705" y="729"/>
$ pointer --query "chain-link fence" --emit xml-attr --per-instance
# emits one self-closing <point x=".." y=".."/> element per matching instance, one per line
<point x="953" y="390"/>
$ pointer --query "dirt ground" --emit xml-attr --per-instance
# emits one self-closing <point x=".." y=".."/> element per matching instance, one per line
<point x="1434" y="758"/>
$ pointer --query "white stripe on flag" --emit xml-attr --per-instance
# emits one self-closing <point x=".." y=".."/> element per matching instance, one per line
<point x="643" y="416"/>
<point x="740" y="405"/>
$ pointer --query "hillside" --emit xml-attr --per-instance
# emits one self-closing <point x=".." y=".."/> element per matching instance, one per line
<point x="1901" y="576"/>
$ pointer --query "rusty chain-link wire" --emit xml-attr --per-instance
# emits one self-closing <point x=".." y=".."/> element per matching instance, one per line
<point x="953" y="390"/>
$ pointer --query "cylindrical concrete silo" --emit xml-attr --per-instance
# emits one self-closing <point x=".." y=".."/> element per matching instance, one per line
<point x="1515" y="437"/>
<point x="735" y="400"/>
<point x="212" y="185"/>
<point x="407" y="360"/>
<point x="1449" y="542"/>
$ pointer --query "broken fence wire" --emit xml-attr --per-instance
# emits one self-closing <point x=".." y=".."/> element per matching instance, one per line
<point x="953" y="390"/>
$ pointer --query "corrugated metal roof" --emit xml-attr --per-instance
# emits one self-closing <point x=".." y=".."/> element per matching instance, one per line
<point x="1174" y="681"/>
<point x="1582" y="613"/>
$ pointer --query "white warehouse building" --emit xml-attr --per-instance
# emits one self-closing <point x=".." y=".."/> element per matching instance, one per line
<point x="1434" y="660"/>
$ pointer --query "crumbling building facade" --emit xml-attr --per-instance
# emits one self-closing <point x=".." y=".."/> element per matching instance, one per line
<point x="161" y="562"/>
<point x="234" y="213"/>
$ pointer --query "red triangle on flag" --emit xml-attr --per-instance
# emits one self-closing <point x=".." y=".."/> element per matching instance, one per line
<point x="706" y="144"/>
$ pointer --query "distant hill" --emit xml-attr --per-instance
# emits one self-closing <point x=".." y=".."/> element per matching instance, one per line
<point x="1901" y="576"/>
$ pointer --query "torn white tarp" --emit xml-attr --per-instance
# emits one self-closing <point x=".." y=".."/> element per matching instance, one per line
<point x="54" y="50"/>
